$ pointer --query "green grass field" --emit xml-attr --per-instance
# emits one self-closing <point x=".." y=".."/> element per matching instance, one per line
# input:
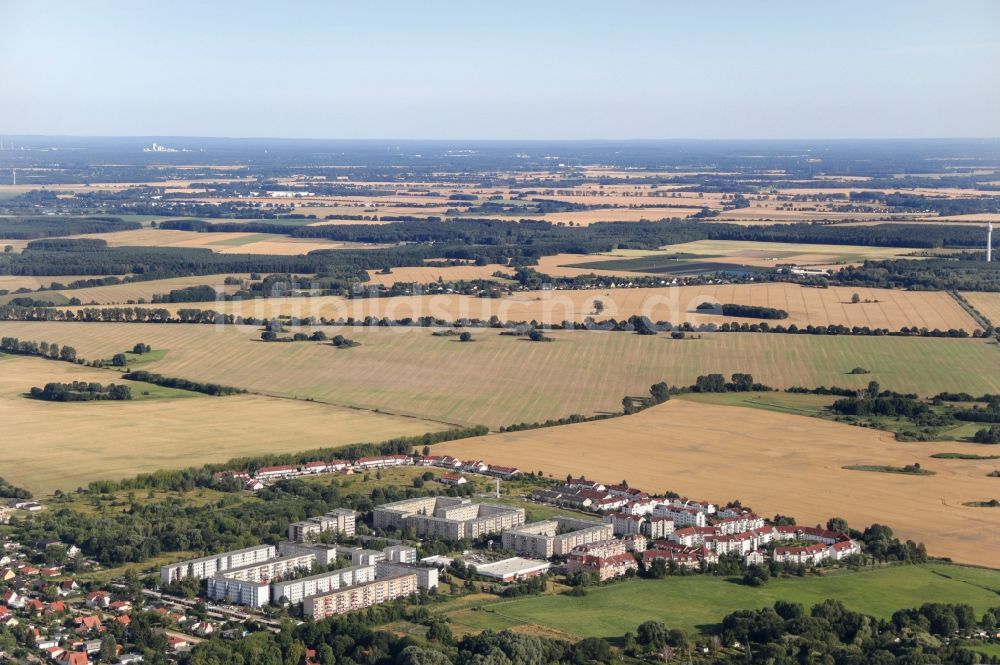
<point x="815" y="405"/>
<point x="501" y="380"/>
<point x="699" y="602"/>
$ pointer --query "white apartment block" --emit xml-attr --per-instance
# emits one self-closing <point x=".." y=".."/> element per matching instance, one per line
<point x="239" y="592"/>
<point x="400" y="554"/>
<point x="208" y="566"/>
<point x="623" y="524"/>
<point x="294" y="591"/>
<point x="340" y="521"/>
<point x="681" y="517"/>
<point x="658" y="528"/>
<point x="427" y="576"/>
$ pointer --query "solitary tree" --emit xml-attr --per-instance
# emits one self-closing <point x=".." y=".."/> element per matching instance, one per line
<point x="119" y="360"/>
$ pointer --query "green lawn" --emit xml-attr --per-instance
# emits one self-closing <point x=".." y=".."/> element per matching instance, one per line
<point x="815" y="405"/>
<point x="44" y="296"/>
<point x="794" y="403"/>
<point x="143" y="358"/>
<point x="988" y="649"/>
<point x="699" y="602"/>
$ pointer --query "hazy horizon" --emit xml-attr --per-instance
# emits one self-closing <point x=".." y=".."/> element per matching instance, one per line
<point x="441" y="70"/>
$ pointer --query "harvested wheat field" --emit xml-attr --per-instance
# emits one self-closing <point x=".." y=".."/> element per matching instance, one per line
<point x="988" y="304"/>
<point x="888" y="308"/>
<point x="500" y="380"/>
<point x="770" y="254"/>
<point x="56" y="445"/>
<point x="145" y="290"/>
<point x="15" y="282"/>
<point x="428" y="274"/>
<point x="773" y="462"/>
<point x="223" y="243"/>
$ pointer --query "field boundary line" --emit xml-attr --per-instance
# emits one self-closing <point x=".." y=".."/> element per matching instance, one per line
<point x="355" y="407"/>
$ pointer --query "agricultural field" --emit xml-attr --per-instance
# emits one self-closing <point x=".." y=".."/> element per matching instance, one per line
<point x="223" y="243"/>
<point x="988" y="304"/>
<point x="815" y="405"/>
<point x="714" y="255"/>
<point x="134" y="292"/>
<point x="429" y="274"/>
<point x="56" y="445"/>
<point x="879" y="308"/>
<point x="500" y="380"/>
<point x="14" y="282"/>
<point x="695" y="602"/>
<point x="774" y="463"/>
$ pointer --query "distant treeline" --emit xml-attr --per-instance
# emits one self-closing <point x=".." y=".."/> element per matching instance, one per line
<point x="183" y="384"/>
<point x="494" y="231"/>
<point x="635" y="324"/>
<point x="966" y="273"/>
<point x="516" y="243"/>
<point x="30" y="228"/>
<point x="942" y="205"/>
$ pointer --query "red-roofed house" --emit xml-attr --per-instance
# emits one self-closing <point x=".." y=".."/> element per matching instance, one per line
<point x="605" y="568"/>
<point x="73" y="658"/>
<point x="281" y="471"/>
<point x="98" y="599"/>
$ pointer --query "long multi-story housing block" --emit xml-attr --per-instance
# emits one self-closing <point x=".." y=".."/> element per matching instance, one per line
<point x="207" y="566"/>
<point x="251" y="585"/>
<point x="359" y="596"/>
<point x="294" y="591"/>
<point x="555" y="537"/>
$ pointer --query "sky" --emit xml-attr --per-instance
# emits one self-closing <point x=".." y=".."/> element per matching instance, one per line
<point x="539" y="69"/>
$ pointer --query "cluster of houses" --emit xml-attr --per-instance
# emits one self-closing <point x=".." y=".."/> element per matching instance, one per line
<point x="64" y="622"/>
<point x="261" y="477"/>
<point x="684" y="532"/>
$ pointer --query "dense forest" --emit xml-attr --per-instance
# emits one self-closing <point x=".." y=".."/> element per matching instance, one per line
<point x="30" y="228"/>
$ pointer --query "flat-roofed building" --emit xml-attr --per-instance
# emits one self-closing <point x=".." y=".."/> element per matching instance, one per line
<point x="427" y="576"/>
<point x="294" y="591"/>
<point x="359" y="596"/>
<point x="272" y="569"/>
<point x="555" y="537"/>
<point x="513" y="569"/>
<point x="447" y="517"/>
<point x="401" y="554"/>
<point x="207" y="566"/>
<point x="325" y="554"/>
<point x="251" y="585"/>
<point x="339" y="521"/>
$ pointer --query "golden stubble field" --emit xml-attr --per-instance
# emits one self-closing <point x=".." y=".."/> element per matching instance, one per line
<point x="773" y="462"/>
<point x="222" y="243"/>
<point x="136" y="291"/>
<point x="501" y="380"/>
<point x="889" y="308"/>
<point x="988" y="304"/>
<point x="49" y="445"/>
